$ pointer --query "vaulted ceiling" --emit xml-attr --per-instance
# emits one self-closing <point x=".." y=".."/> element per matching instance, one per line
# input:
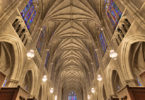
<point x="73" y="25"/>
<point x="96" y="5"/>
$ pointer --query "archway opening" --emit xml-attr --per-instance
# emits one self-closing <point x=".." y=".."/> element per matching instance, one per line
<point x="137" y="61"/>
<point x="28" y="81"/>
<point x="7" y="61"/>
<point x="116" y="83"/>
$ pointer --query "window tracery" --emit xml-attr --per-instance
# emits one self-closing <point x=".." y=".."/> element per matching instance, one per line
<point x="113" y="12"/>
<point x="20" y="30"/>
<point x="72" y="96"/>
<point x="29" y="13"/>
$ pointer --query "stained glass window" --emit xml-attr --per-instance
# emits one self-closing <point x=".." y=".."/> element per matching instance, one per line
<point x="4" y="84"/>
<point x="113" y="12"/>
<point x="29" y="13"/>
<point x="103" y="42"/>
<point x="40" y="40"/>
<point x="46" y="60"/>
<point x="138" y="82"/>
<point x="26" y="9"/>
<point x="72" y="96"/>
<point x="32" y="18"/>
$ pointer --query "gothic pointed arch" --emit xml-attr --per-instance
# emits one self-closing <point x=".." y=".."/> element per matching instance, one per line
<point x="116" y="82"/>
<point x="27" y="83"/>
<point x="12" y="50"/>
<point x="132" y="44"/>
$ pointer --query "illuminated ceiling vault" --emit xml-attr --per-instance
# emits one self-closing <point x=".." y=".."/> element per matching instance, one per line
<point x="73" y="25"/>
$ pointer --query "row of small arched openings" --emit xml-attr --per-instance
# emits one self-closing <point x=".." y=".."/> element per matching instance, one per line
<point x="122" y="29"/>
<point x="21" y="30"/>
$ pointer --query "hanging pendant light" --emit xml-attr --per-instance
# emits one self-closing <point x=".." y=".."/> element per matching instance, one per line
<point x="99" y="77"/>
<point x="44" y="79"/>
<point x="30" y="54"/>
<point x="92" y="90"/>
<point x="113" y="54"/>
<point x="51" y="90"/>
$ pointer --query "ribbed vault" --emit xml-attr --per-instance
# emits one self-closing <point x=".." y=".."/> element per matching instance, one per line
<point x="72" y="24"/>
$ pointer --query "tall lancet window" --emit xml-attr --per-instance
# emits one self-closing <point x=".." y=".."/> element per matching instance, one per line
<point x="72" y="96"/>
<point x="29" y="13"/>
<point x="113" y="12"/>
<point x="103" y="42"/>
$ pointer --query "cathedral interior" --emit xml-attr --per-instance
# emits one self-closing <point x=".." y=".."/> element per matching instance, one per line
<point x="72" y="49"/>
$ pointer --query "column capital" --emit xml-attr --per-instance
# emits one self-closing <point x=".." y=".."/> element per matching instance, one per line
<point x="130" y="82"/>
<point x="12" y="83"/>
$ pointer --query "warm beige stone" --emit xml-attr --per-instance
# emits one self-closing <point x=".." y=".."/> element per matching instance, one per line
<point x="72" y="39"/>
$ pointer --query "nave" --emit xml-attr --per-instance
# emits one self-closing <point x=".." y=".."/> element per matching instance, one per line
<point x="72" y="50"/>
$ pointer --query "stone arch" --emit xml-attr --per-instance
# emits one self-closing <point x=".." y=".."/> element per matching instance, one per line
<point x="6" y="56"/>
<point x="107" y="79"/>
<point x="122" y="29"/>
<point x="124" y="24"/>
<point x="124" y="55"/>
<point x="31" y="66"/>
<point x="116" y="82"/>
<point x="18" y="24"/>
<point x="137" y="60"/>
<point x="7" y="59"/>
<point x="137" y="56"/>
<point x="18" y="56"/>
<point x="27" y="83"/>
<point x="20" y="29"/>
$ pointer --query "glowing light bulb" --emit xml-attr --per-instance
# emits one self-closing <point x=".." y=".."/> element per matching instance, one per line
<point x="51" y="90"/>
<point x="30" y="54"/>
<point x="113" y="54"/>
<point x="93" y="90"/>
<point x="99" y="78"/>
<point x="44" y="79"/>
